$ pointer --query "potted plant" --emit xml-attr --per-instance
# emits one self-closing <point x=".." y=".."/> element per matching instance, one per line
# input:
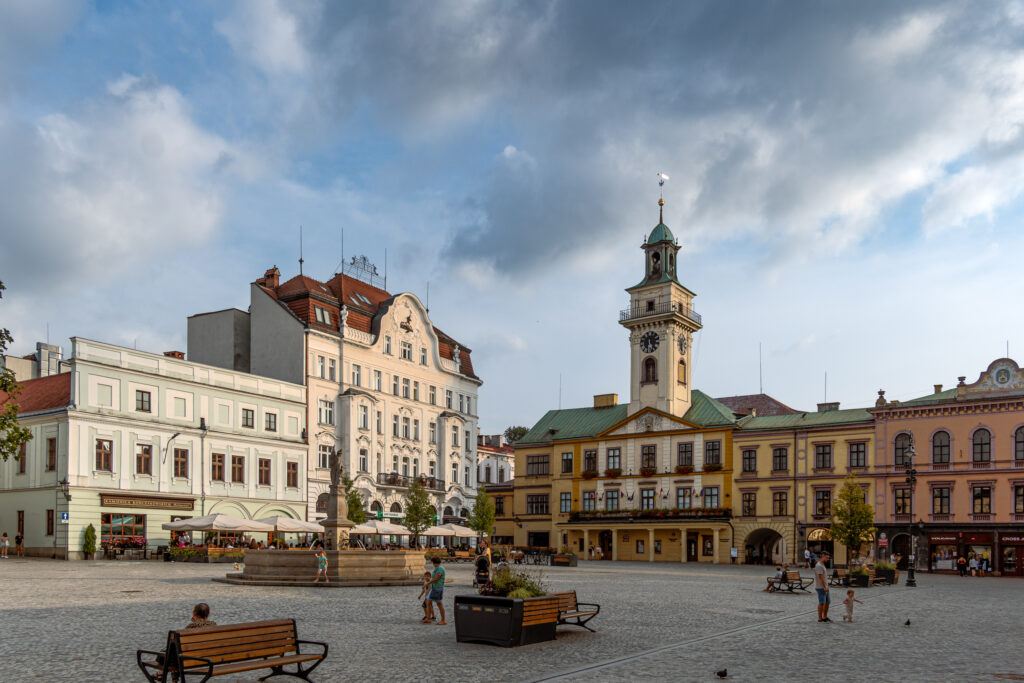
<point x="887" y="570"/>
<point x="684" y="469"/>
<point x="89" y="542"/>
<point x="713" y="467"/>
<point x="496" y="616"/>
<point x="613" y="472"/>
<point x="859" y="578"/>
<point x="647" y="471"/>
<point x="588" y="474"/>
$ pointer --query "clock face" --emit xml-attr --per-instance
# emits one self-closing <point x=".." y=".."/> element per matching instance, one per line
<point x="649" y="342"/>
<point x="682" y="344"/>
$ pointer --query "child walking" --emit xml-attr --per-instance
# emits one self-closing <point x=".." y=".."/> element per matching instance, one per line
<point x="321" y="567"/>
<point x="428" y="610"/>
<point x="849" y="605"/>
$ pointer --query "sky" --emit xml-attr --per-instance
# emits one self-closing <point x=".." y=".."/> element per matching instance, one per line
<point x="845" y="179"/>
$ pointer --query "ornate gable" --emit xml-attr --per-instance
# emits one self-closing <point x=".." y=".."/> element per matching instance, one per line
<point x="1003" y="376"/>
<point x="648" y="420"/>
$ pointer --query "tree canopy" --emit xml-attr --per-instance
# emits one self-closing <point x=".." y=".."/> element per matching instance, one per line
<point x="514" y="433"/>
<point x="481" y="519"/>
<point x="356" y="504"/>
<point x="419" y="512"/>
<point x="852" y="517"/>
<point x="12" y="435"/>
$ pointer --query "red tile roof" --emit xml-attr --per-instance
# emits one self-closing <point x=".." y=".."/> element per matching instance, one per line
<point x="44" y="393"/>
<point x="762" y="403"/>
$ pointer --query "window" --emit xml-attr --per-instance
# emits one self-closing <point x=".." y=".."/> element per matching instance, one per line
<point x="380" y="422"/>
<point x="104" y="450"/>
<point x="469" y="405"/>
<point x="981" y="450"/>
<point x="646" y="499"/>
<point x="378" y="380"/>
<point x="416" y="430"/>
<point x="405" y="388"/>
<point x="324" y="459"/>
<point x="248" y="418"/>
<point x="536" y="465"/>
<point x="394" y="384"/>
<point x="940" y="447"/>
<point x="321" y="363"/>
<point x="325" y="412"/>
<point x="323" y="316"/>
<point x="780" y="457"/>
<point x="501" y="474"/>
<point x="614" y="459"/>
<point x="364" y="417"/>
<point x="901" y="500"/>
<point x="433" y="432"/>
<point x="264" y="472"/>
<point x="405" y="467"/>
<point x="901" y="450"/>
<point x="423" y="360"/>
<point x="858" y="453"/>
<point x="142" y="401"/>
<point x="611" y="500"/>
<point x="1018" y="445"/>
<point x="455" y="437"/>
<point x="270" y="422"/>
<point x="713" y="453"/>
<point x="750" y="461"/>
<point x="682" y="372"/>
<point x="590" y="460"/>
<point x="650" y="371"/>
<point x="364" y="460"/>
<point x="499" y="501"/>
<point x="357" y="375"/>
<point x="823" y="456"/>
<point x="487" y="474"/>
<point x="51" y="455"/>
<point x="639" y="547"/>
<point x="468" y="441"/>
<point x="564" y="501"/>
<point x="684" y="498"/>
<point x="49" y="522"/>
<point x="684" y="456"/>
<point x="448" y="398"/>
<point x="293" y="475"/>
<point x="405" y="350"/>
<point x="394" y="425"/>
<point x="387" y="345"/>
<point x="433" y="396"/>
<point x="822" y="503"/>
<point x="217" y="467"/>
<point x="462" y="403"/>
<point x="116" y="527"/>
<point x="780" y="503"/>
<point x="649" y="456"/>
<point x="143" y="458"/>
<point x="590" y="500"/>
<point x="332" y="369"/>
<point x="749" y="504"/>
<point x="181" y="463"/>
<point x="537" y="504"/>
<point x="982" y="496"/>
<point x="406" y="433"/>
<point x="22" y="458"/>
<point x="238" y="468"/>
<point x="1018" y="500"/>
<point x="415" y="391"/>
<point x="566" y="463"/>
<point x="940" y="500"/>
<point x="710" y="496"/>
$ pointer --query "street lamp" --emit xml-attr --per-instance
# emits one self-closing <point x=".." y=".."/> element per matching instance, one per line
<point x="911" y="480"/>
<point x="63" y="486"/>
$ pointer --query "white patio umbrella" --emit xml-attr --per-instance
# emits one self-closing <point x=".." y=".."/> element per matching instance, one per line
<point x="437" y="531"/>
<point x="379" y="526"/>
<point x="292" y="525"/>
<point x="217" y="522"/>
<point x="460" y="531"/>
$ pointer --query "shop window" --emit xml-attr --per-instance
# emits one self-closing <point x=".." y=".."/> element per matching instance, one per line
<point x="940" y="447"/>
<point x="123" y="530"/>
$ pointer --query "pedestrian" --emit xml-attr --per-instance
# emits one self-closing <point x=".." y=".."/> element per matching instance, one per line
<point x="961" y="565"/>
<point x="974" y="565"/>
<point x="437" y="588"/>
<point x="19" y="544"/>
<point x="821" y="587"/>
<point x="591" y="551"/>
<point x="807" y="557"/>
<point x="849" y="605"/>
<point x="321" y="567"/>
<point x="984" y="563"/>
<point x="600" y="553"/>
<point x="3" y="546"/>
<point x="428" y="613"/>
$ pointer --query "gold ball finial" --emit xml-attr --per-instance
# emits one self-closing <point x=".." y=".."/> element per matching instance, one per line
<point x="661" y="201"/>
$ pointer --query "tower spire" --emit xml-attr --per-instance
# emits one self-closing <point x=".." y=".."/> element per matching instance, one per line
<point x="661" y="197"/>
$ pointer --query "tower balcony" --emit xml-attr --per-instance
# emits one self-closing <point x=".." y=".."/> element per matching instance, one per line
<point x="659" y="309"/>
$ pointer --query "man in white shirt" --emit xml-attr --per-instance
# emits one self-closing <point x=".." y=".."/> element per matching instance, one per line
<point x="807" y="557"/>
<point x="821" y="588"/>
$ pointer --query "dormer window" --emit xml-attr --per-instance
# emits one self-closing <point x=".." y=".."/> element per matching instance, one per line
<point x="323" y="316"/>
<point x="387" y="345"/>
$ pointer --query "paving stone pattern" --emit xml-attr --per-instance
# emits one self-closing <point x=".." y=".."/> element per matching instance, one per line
<point x="83" y="621"/>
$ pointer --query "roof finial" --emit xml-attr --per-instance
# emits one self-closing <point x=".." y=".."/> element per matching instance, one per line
<point x="300" y="250"/>
<point x="661" y="198"/>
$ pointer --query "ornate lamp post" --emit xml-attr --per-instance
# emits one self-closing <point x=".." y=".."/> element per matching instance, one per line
<point x="911" y="480"/>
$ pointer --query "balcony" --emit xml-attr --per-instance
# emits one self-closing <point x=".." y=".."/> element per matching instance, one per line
<point x="659" y="309"/>
<point x="653" y="515"/>
<point x="403" y="482"/>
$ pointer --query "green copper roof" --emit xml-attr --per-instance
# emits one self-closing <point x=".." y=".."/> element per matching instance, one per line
<point x="707" y="412"/>
<point x="661" y="233"/>
<point x="805" y="420"/>
<point x="947" y="395"/>
<point x="574" y="423"/>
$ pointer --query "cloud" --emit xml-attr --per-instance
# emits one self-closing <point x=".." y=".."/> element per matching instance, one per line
<point x="28" y="30"/>
<point x="263" y="32"/>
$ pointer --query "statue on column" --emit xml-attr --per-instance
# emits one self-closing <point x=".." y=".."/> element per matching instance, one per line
<point x="337" y="524"/>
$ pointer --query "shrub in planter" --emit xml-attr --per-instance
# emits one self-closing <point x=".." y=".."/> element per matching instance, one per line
<point x="513" y="580"/>
<point x="859" y="578"/>
<point x="613" y="472"/>
<point x="684" y="469"/>
<point x="89" y="542"/>
<point x="588" y="474"/>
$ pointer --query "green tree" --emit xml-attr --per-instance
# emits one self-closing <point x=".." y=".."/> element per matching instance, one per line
<point x="356" y="504"/>
<point x="852" y="517"/>
<point x="481" y="520"/>
<point x="89" y="542"/>
<point x="419" y="512"/>
<point x="12" y="435"/>
<point x="514" y="433"/>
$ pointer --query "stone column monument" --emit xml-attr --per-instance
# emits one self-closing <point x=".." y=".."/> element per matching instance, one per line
<point x="337" y="524"/>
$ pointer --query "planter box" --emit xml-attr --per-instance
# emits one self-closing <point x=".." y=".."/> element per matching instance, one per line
<point x="858" y="581"/>
<point x="506" y="622"/>
<point x="563" y="560"/>
<point x="889" y="575"/>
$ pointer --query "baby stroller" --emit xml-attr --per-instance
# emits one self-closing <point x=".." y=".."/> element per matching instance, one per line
<point x="482" y="573"/>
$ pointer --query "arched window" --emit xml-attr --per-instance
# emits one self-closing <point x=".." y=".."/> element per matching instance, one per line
<point x="940" y="447"/>
<point x="902" y="450"/>
<point x="682" y="372"/>
<point x="448" y="512"/>
<point x="375" y="506"/>
<point x="981" y="450"/>
<point x="650" y="371"/>
<point x="396" y="507"/>
<point x="321" y="503"/>
<point x="1018" y="445"/>
<point x="655" y="263"/>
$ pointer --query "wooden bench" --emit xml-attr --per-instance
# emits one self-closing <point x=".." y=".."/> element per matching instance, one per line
<point x="791" y="583"/>
<point x="839" y="578"/>
<point x="236" y="648"/>
<point x="873" y="578"/>
<point x="579" y="612"/>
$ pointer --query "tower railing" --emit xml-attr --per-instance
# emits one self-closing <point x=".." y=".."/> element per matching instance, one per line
<point x="659" y="309"/>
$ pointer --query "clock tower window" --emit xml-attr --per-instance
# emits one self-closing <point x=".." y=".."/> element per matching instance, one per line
<point x="682" y="372"/>
<point x="650" y="371"/>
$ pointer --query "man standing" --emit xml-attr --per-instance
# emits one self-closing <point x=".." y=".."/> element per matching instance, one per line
<point x="821" y="587"/>
<point x="807" y="557"/>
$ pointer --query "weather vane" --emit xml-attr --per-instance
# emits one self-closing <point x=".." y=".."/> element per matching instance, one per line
<point x="661" y="199"/>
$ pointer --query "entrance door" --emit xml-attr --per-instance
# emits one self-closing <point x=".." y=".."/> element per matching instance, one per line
<point x="1012" y="562"/>
<point x="691" y="548"/>
<point x="605" y="541"/>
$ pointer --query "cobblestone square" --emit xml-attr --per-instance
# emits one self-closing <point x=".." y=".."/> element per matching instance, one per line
<point x="84" y="621"/>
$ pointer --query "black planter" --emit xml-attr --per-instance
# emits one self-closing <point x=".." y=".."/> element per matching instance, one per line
<point x="507" y="622"/>
<point x="860" y="581"/>
<point x="888" y="574"/>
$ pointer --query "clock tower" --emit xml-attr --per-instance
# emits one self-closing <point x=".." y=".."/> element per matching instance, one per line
<point x="661" y="323"/>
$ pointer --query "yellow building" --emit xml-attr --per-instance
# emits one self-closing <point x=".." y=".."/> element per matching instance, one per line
<point x="500" y="495"/>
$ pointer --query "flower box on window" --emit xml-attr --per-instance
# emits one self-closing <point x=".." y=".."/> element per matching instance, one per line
<point x="647" y="471"/>
<point x="588" y="474"/>
<point x="613" y="472"/>
<point x="684" y="469"/>
<point x="713" y="467"/>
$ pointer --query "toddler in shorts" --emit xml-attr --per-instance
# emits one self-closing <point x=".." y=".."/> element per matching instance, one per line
<point x="849" y="605"/>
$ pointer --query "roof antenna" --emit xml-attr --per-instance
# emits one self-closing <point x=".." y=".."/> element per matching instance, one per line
<point x="300" y="250"/>
<point x="760" y="371"/>
<point x="385" y="269"/>
<point x="428" y="297"/>
<point x="661" y="197"/>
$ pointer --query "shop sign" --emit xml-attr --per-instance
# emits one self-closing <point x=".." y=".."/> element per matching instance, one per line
<point x="942" y="539"/>
<point x="1011" y="539"/>
<point x="146" y="502"/>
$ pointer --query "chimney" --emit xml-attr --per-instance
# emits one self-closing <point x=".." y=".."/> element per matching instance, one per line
<point x="606" y="400"/>
<point x="938" y="388"/>
<point x="180" y="355"/>
<point x="271" y="279"/>
<point x="752" y="411"/>
<point x="828" y="407"/>
<point x="48" y="359"/>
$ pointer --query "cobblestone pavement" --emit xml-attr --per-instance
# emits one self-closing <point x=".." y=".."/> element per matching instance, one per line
<point x="83" y="621"/>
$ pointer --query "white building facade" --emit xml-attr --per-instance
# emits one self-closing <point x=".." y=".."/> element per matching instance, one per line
<point x="140" y="439"/>
<point x="495" y="460"/>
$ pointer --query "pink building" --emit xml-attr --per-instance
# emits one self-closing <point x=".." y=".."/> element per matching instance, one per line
<point x="969" y="496"/>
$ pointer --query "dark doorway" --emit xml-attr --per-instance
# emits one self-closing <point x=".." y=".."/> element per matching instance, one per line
<point x="538" y="539"/>
<point x="605" y="543"/>
<point x="691" y="547"/>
